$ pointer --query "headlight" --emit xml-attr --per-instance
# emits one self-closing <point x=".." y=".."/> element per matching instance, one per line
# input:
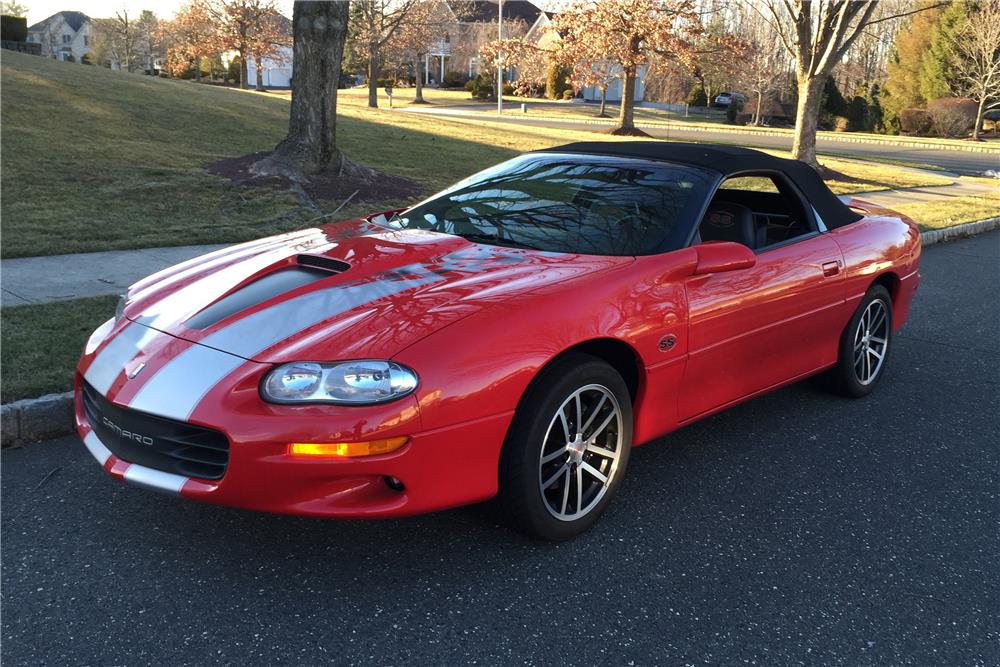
<point x="346" y="383"/>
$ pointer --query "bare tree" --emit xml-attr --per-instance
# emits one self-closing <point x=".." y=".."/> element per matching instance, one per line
<point x="147" y="45"/>
<point x="116" y="38"/>
<point x="817" y="34"/>
<point x="375" y="24"/>
<point x="977" y="58"/>
<point x="10" y="8"/>
<point x="242" y="26"/>
<point x="763" y="62"/>
<point x="416" y="35"/>
<point x="319" y="32"/>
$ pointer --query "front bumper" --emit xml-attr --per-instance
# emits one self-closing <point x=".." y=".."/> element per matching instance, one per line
<point x="442" y="468"/>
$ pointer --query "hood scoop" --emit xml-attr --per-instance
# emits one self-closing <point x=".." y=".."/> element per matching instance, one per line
<point x="322" y="263"/>
<point x="307" y="269"/>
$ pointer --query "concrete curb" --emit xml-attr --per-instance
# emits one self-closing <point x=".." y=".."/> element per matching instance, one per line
<point x="958" y="231"/>
<point x="51" y="416"/>
<point x="732" y="129"/>
<point x="32" y="419"/>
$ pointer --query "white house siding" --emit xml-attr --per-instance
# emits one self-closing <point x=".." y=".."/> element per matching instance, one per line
<point x="593" y="93"/>
<point x="277" y="72"/>
<point x="60" y="41"/>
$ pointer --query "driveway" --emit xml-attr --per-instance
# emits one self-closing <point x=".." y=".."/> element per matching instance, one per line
<point x="960" y="162"/>
<point x="798" y="528"/>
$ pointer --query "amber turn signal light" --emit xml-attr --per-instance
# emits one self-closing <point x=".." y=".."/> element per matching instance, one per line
<point x="340" y="450"/>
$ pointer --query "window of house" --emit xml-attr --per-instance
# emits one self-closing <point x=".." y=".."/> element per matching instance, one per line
<point x="758" y="211"/>
<point x="86" y="40"/>
<point x="67" y="39"/>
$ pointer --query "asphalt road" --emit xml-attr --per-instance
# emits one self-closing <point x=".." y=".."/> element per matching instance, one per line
<point x="960" y="162"/>
<point x="798" y="528"/>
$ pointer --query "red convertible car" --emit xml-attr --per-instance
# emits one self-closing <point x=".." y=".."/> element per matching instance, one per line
<point x="512" y="336"/>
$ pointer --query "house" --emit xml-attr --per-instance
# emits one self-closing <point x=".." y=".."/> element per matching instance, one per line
<point x="276" y="70"/>
<point x="543" y="35"/>
<point x="465" y="27"/>
<point x="63" y="36"/>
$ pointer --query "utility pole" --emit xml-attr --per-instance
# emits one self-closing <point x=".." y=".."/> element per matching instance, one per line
<point x="500" y="58"/>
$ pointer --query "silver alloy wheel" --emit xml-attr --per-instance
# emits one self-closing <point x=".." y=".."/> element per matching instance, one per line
<point x="580" y="453"/>
<point x="871" y="342"/>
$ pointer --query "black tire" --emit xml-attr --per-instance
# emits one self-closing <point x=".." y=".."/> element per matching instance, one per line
<point x="844" y="378"/>
<point x="521" y="498"/>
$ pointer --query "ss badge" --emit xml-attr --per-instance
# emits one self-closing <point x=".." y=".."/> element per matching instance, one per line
<point x="667" y="342"/>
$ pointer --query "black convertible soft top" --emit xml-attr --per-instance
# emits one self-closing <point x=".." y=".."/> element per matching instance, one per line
<point x="727" y="161"/>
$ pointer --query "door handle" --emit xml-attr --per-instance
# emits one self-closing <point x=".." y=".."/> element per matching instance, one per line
<point x="831" y="268"/>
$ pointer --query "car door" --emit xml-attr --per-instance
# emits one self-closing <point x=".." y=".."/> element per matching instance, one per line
<point x="756" y="328"/>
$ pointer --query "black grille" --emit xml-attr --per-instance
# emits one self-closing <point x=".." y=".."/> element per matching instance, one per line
<point x="155" y="442"/>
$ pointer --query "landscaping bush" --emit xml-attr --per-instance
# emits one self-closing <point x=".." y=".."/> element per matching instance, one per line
<point x="733" y="110"/>
<point x="233" y="73"/>
<point x="470" y="86"/>
<point x="13" y="29"/>
<point x="952" y="116"/>
<point x="455" y="79"/>
<point x="556" y="84"/>
<point x="567" y="94"/>
<point x="915" y="121"/>
<point x="857" y="115"/>
<point x="833" y="102"/>
<point x="482" y="87"/>
<point x="697" y="96"/>
<point x="840" y="123"/>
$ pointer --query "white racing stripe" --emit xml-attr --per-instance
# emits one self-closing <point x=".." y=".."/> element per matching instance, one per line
<point x="178" y="306"/>
<point x="97" y="448"/>
<point x="154" y="480"/>
<point x="253" y="334"/>
<point x="111" y="361"/>
<point x="177" y="388"/>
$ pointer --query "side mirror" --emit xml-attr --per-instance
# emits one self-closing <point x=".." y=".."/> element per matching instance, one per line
<point x="719" y="256"/>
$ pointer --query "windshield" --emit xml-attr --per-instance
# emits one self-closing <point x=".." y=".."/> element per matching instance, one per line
<point x="587" y="204"/>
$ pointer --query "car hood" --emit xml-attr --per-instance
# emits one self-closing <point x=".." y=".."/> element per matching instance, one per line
<point x="349" y="290"/>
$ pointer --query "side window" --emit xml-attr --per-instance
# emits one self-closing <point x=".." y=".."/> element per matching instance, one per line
<point x="755" y="210"/>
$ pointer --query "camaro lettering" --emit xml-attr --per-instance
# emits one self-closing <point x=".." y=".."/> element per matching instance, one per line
<point x="127" y="435"/>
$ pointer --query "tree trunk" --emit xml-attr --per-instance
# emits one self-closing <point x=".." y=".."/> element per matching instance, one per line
<point x="320" y="29"/>
<point x="756" y="115"/>
<point x="243" y="71"/>
<point x="197" y="69"/>
<point x="979" y="119"/>
<point x="604" y="101"/>
<point x="626" y="116"/>
<point x="372" y="76"/>
<point x="259" y="72"/>
<point x="418" y="98"/>
<point x="807" y="119"/>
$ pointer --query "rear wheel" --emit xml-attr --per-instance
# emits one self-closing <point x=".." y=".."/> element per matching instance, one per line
<point x="864" y="345"/>
<point x="567" y="449"/>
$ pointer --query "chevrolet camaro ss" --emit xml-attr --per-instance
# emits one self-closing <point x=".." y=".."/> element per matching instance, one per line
<point x="512" y="336"/>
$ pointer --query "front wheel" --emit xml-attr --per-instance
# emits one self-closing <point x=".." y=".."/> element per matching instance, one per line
<point x="864" y="345"/>
<point x="567" y="448"/>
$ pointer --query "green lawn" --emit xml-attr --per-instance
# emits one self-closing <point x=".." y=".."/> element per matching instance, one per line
<point x="952" y="211"/>
<point x="40" y="345"/>
<point x="99" y="160"/>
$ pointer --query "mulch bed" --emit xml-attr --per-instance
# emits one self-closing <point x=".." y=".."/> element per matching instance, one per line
<point x="327" y="186"/>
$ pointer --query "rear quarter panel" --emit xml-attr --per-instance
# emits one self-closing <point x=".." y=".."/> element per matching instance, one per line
<point x="883" y="242"/>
